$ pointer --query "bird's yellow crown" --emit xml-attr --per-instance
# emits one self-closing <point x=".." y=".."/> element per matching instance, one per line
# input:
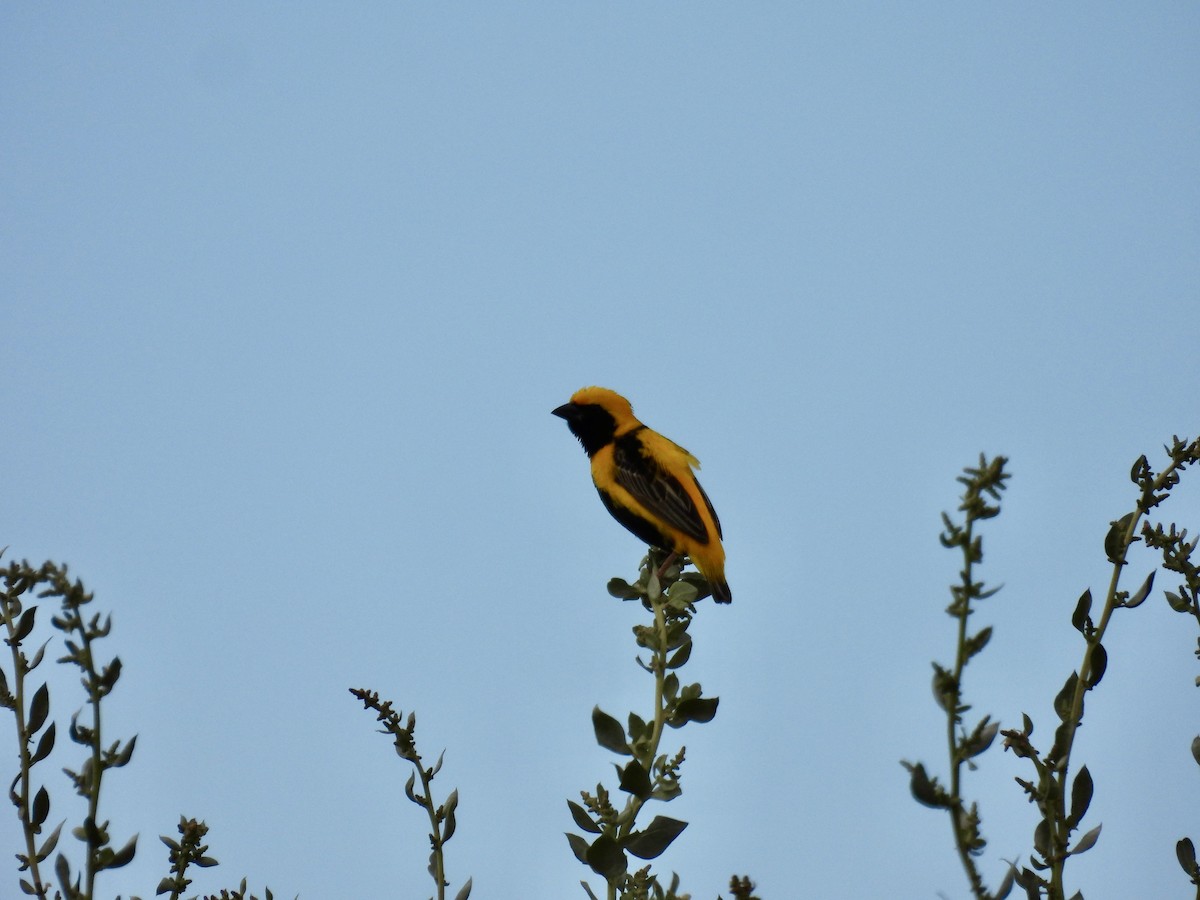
<point x="610" y="401"/>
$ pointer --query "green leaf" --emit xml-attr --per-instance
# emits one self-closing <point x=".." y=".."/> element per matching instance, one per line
<point x="926" y="790"/>
<point x="1061" y="736"/>
<point x="448" y="812"/>
<point x="1185" y="852"/>
<point x="945" y="688"/>
<point x="39" y="708"/>
<point x="1030" y="883"/>
<point x="80" y="734"/>
<point x="682" y="594"/>
<point x="1140" y="473"/>
<point x="656" y="838"/>
<point x="62" y="868"/>
<point x="1097" y="664"/>
<point x="696" y="709"/>
<point x="1041" y="839"/>
<point x="578" y="846"/>
<point x="41" y="808"/>
<point x="124" y="856"/>
<point x="671" y="686"/>
<point x="465" y="892"/>
<point x="37" y="657"/>
<point x="49" y="844"/>
<point x="1007" y="884"/>
<point x="677" y="633"/>
<point x="1081" y="796"/>
<point x="24" y="626"/>
<point x="609" y="733"/>
<point x="1079" y="618"/>
<point x="653" y="586"/>
<point x="1196" y="749"/>
<point x="1114" y="541"/>
<point x="680" y="656"/>
<point x="110" y="674"/>
<point x="45" y="745"/>
<point x="1142" y="593"/>
<point x="667" y="790"/>
<point x="607" y="859"/>
<point x="978" y="641"/>
<point x="1179" y="604"/>
<point x="646" y="637"/>
<point x="126" y="754"/>
<point x="1087" y="842"/>
<point x="92" y="835"/>
<point x="981" y="738"/>
<point x="582" y="819"/>
<point x="1062" y="703"/>
<point x="634" y="779"/>
<point x="637" y="727"/>
<point x="622" y="589"/>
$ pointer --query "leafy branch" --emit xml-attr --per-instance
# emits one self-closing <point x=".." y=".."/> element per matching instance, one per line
<point x="98" y="681"/>
<point x="186" y="852"/>
<point x="442" y="822"/>
<point x="669" y="594"/>
<point x="742" y="888"/>
<point x="33" y="808"/>
<point x="1061" y="800"/>
<point x="1176" y="551"/>
<point x="982" y="483"/>
<point x="36" y="740"/>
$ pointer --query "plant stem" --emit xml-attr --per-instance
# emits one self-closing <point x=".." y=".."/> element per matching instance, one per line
<point x="953" y="719"/>
<point x="1061" y="767"/>
<point x="23" y="739"/>
<point x="97" y="768"/>
<point x="658" y="665"/>
<point x="439" y="861"/>
<point x="20" y="579"/>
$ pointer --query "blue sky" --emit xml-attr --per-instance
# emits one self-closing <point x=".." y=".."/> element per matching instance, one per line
<point x="289" y="294"/>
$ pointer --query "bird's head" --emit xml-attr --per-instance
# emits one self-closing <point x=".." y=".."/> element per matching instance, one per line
<point x="596" y="415"/>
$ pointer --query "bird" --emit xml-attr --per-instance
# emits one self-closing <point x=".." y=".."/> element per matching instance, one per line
<point x="646" y="482"/>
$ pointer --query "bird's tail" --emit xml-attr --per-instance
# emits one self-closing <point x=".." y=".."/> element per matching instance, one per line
<point x="720" y="590"/>
<point x="710" y="560"/>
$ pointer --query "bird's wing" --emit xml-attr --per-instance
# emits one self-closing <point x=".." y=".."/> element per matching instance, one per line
<point x="712" y="512"/>
<point x="650" y="479"/>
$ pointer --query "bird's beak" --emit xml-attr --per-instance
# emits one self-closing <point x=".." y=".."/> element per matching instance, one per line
<point x="564" y="411"/>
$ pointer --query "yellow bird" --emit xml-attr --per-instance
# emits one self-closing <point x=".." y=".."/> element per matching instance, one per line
<point x="646" y="482"/>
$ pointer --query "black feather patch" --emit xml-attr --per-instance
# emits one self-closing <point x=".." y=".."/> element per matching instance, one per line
<point x="655" y="488"/>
